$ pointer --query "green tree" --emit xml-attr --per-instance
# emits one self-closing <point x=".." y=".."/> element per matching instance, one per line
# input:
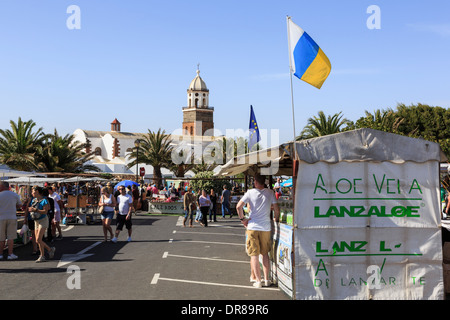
<point x="19" y="145"/>
<point x="427" y="122"/>
<point x="205" y="181"/>
<point x="155" y="150"/>
<point x="384" y="120"/>
<point x="322" y="125"/>
<point x="64" y="154"/>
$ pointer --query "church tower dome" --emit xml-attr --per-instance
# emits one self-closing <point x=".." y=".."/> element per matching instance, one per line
<point x="197" y="115"/>
<point x="198" y="84"/>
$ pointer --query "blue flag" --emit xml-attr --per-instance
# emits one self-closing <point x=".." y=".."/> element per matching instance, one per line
<point x="254" y="136"/>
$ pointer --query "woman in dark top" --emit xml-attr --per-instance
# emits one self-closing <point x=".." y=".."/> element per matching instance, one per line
<point x="212" y="211"/>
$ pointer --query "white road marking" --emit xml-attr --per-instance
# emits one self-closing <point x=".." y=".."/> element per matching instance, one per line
<point x="157" y="277"/>
<point x="67" y="229"/>
<point x="214" y="233"/>
<point x="210" y="242"/>
<point x="166" y="254"/>
<point x="69" y="258"/>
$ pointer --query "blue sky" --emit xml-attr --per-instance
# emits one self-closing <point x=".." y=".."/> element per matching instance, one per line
<point x="134" y="60"/>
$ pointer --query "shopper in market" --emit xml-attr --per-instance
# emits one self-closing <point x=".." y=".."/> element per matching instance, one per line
<point x="108" y="203"/>
<point x="40" y="208"/>
<point x="212" y="212"/>
<point x="55" y="223"/>
<point x="30" y="222"/>
<point x="225" y="199"/>
<point x="135" y="195"/>
<point x="125" y="206"/>
<point x="205" y="203"/>
<point x="9" y="204"/>
<point x="189" y="206"/>
<point x="259" y="241"/>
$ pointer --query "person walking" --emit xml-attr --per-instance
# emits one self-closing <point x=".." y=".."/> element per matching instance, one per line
<point x="9" y="204"/>
<point x="125" y="205"/>
<point x="198" y="215"/>
<point x="30" y="222"/>
<point x="108" y="203"/>
<point x="135" y="194"/>
<point x="205" y="203"/>
<point x="212" y="211"/>
<point x="189" y="206"/>
<point x="39" y="212"/>
<point x="57" y="216"/>
<point x="225" y="199"/>
<point x="259" y="242"/>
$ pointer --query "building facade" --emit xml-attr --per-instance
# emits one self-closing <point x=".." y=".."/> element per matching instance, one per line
<point x="112" y="148"/>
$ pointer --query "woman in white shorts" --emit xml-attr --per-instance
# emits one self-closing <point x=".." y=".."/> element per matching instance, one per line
<point x="41" y="205"/>
<point x="108" y="202"/>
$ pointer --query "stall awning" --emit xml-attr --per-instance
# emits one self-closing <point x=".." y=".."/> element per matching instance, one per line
<point x="368" y="145"/>
<point x="355" y="145"/>
<point x="276" y="161"/>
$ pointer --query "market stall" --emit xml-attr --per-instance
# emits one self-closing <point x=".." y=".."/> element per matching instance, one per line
<point x="366" y="218"/>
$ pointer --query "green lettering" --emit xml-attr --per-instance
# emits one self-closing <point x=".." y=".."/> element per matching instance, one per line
<point x="354" y="186"/>
<point x="387" y="185"/>
<point x="398" y="211"/>
<point x="333" y="211"/>
<point x="375" y="211"/>
<point x="383" y="248"/>
<point x="319" y="247"/>
<point x="323" y="269"/>
<point x="349" y="187"/>
<point x="376" y="183"/>
<point x="358" y="213"/>
<point x="417" y="186"/>
<point x="319" y="177"/>
<point x="412" y="209"/>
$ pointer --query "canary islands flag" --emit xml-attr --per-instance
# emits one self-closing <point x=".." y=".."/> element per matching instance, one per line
<point x="308" y="62"/>
<point x="254" y="136"/>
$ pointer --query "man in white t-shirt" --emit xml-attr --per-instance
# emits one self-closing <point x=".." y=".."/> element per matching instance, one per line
<point x="9" y="203"/>
<point x="259" y="237"/>
<point x="125" y="204"/>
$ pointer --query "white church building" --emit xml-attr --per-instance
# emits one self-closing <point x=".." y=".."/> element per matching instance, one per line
<point x="112" y="148"/>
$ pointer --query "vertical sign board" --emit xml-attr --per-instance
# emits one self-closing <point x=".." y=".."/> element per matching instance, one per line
<point x="368" y="230"/>
<point x="283" y="258"/>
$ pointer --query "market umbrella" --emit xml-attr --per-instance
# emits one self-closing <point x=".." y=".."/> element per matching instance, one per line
<point x="126" y="183"/>
<point x="287" y="183"/>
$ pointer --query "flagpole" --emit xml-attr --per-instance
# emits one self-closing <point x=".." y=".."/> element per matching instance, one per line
<point x="294" y="160"/>
<point x="292" y="89"/>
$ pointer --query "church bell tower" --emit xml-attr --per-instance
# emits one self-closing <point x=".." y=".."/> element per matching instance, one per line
<point x="198" y="115"/>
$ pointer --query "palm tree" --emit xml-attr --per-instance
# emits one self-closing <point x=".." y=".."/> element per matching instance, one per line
<point x="64" y="154"/>
<point x="155" y="150"/>
<point x="384" y="120"/>
<point x="323" y="125"/>
<point x="19" y="145"/>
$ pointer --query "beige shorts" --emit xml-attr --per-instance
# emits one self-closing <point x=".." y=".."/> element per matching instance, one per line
<point x="258" y="242"/>
<point x="8" y="229"/>
<point x="42" y="223"/>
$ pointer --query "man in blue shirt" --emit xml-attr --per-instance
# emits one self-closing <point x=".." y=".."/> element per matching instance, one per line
<point x="225" y="199"/>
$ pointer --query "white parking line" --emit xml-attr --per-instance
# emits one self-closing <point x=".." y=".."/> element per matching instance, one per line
<point x="211" y="242"/>
<point x="67" y="228"/>
<point x="214" y="233"/>
<point x="166" y="254"/>
<point x="157" y="277"/>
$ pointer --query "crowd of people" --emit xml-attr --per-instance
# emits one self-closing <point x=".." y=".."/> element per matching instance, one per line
<point x="42" y="214"/>
<point x="44" y="210"/>
<point x="204" y="205"/>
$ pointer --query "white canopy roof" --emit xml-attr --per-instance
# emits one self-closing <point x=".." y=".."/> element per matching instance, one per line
<point x="355" y="145"/>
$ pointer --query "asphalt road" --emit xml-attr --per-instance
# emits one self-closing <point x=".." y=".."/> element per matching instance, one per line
<point x="163" y="262"/>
